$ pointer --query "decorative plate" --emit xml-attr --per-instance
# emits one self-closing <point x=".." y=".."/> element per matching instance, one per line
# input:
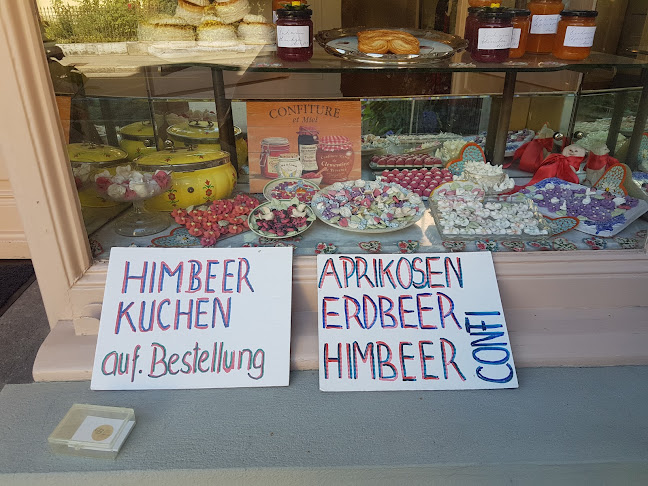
<point x="600" y="213"/>
<point x="561" y="225"/>
<point x="284" y="213"/>
<point x="641" y="179"/>
<point x="367" y="207"/>
<point x="287" y="188"/>
<point x="471" y="152"/>
<point x="612" y="180"/>
<point x="434" y="46"/>
<point x="643" y="148"/>
<point x="514" y="140"/>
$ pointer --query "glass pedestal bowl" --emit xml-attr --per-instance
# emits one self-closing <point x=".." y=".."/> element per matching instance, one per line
<point x="135" y="187"/>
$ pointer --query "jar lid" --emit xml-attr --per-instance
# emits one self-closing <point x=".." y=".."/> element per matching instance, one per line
<point x="197" y="131"/>
<point x="294" y="12"/>
<point x="579" y="13"/>
<point x="138" y="130"/>
<point x="308" y="131"/>
<point x="333" y="143"/>
<point x="183" y="160"/>
<point x="475" y="9"/>
<point x="88" y="152"/>
<point x="499" y="13"/>
<point x="520" y="12"/>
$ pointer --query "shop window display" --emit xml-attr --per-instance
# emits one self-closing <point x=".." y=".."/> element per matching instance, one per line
<point x="416" y="171"/>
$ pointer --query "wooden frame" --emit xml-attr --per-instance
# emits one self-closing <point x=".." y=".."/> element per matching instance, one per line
<point x="580" y="308"/>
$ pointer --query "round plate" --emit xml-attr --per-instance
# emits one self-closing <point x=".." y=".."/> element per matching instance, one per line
<point x="406" y="224"/>
<point x="435" y="46"/>
<point x="267" y="190"/>
<point x="278" y="204"/>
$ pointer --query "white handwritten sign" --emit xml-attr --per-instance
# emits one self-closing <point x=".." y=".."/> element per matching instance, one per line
<point x="195" y="318"/>
<point x="411" y="322"/>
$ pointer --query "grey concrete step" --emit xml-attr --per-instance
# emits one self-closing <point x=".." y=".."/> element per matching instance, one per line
<point x="562" y="426"/>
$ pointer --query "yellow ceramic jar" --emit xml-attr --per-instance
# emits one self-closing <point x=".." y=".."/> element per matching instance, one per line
<point x="87" y="159"/>
<point x="137" y="139"/>
<point x="203" y="135"/>
<point x="198" y="177"/>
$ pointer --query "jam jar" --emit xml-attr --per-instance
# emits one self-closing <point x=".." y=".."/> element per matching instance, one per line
<point x="271" y="149"/>
<point x="471" y="21"/>
<point x="575" y="35"/>
<point x="307" y="140"/>
<point x="294" y="32"/>
<point x="521" y="25"/>
<point x="493" y="33"/>
<point x="289" y="165"/>
<point x="545" y="15"/>
<point x="483" y="3"/>
<point x="335" y="158"/>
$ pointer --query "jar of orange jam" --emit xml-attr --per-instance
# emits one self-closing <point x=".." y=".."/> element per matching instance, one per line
<point x="575" y="35"/>
<point x="545" y="15"/>
<point x="483" y="3"/>
<point x="521" y="23"/>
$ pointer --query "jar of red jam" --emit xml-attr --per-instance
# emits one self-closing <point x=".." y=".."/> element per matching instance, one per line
<point x="545" y="15"/>
<point x="469" y="30"/>
<point x="493" y="33"/>
<point x="335" y="158"/>
<point x="294" y="32"/>
<point x="521" y="22"/>
<point x="271" y="150"/>
<point x="575" y="36"/>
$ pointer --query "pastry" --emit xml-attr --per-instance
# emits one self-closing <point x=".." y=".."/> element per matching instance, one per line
<point x="228" y="11"/>
<point x="216" y="34"/>
<point x="190" y="10"/>
<point x="166" y="28"/>
<point x="382" y="41"/>
<point x="255" y="30"/>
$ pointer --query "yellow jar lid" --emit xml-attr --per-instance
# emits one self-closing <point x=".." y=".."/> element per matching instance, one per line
<point x="197" y="131"/>
<point x="93" y="153"/>
<point x="183" y="160"/>
<point x="138" y="130"/>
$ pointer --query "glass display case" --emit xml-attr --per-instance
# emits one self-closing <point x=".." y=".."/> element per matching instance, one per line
<point x="425" y="120"/>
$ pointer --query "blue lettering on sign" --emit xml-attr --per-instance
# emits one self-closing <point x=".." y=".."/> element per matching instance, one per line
<point x="489" y="350"/>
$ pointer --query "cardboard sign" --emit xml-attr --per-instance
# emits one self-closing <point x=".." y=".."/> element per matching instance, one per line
<point x="195" y="318"/>
<point x="319" y="140"/>
<point x="411" y="322"/>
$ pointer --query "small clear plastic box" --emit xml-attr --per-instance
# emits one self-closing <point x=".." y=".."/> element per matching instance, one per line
<point x="92" y="431"/>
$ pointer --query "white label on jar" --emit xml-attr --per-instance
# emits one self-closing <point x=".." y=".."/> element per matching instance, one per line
<point x="544" y="24"/>
<point x="289" y="168"/>
<point x="497" y="38"/>
<point x="515" y="38"/>
<point x="579" y="36"/>
<point x="293" y="36"/>
<point x="308" y="156"/>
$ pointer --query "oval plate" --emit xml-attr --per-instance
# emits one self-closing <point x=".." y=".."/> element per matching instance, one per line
<point x="270" y="186"/>
<point x="278" y="204"/>
<point x="435" y="46"/>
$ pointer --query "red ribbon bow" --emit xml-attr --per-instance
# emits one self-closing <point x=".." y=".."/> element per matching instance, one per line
<point x="560" y="166"/>
<point x="531" y="154"/>
<point x="598" y="162"/>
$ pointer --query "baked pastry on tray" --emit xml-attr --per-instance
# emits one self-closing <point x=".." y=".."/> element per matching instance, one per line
<point x="383" y="41"/>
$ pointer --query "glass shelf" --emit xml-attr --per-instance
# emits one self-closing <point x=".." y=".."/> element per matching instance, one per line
<point x="323" y="62"/>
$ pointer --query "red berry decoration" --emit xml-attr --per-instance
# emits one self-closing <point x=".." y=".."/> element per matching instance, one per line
<point x="223" y="217"/>
<point x="420" y="181"/>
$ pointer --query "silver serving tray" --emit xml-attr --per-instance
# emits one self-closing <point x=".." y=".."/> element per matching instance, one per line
<point x="435" y="46"/>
